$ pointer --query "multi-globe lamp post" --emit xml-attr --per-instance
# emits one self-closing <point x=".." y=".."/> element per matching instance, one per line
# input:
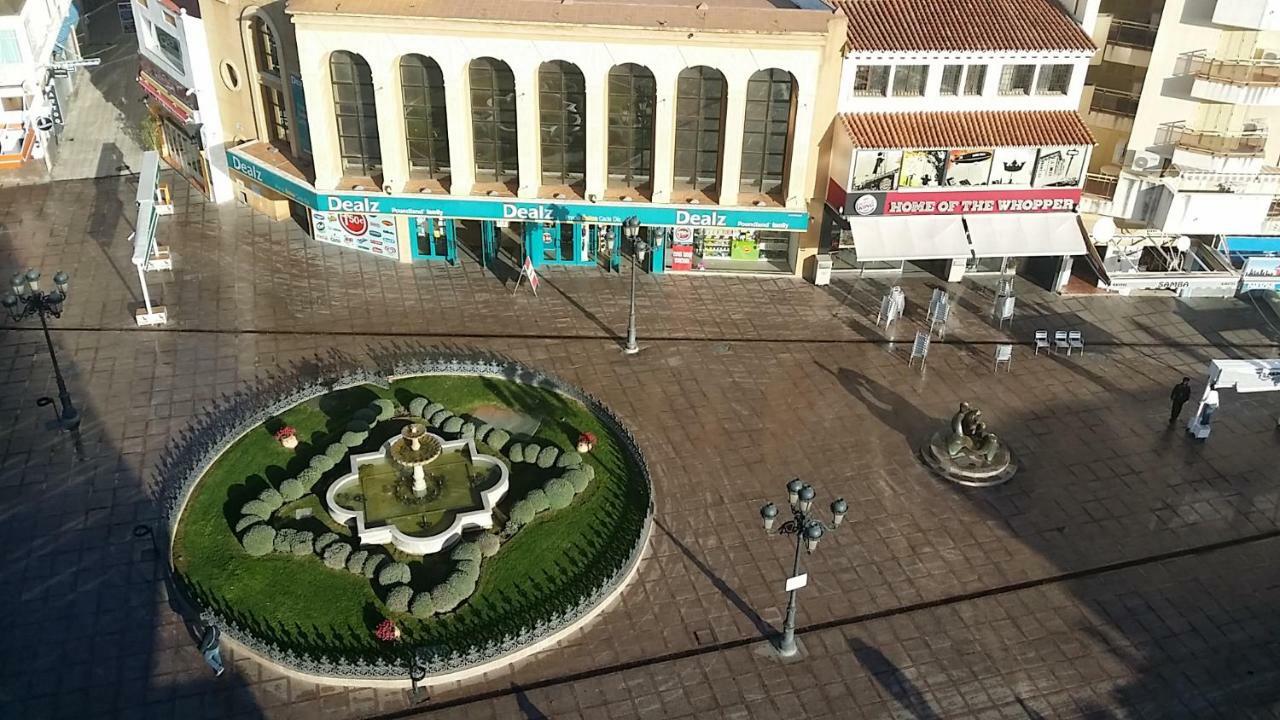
<point x="26" y="299"/>
<point x="639" y="251"/>
<point x="808" y="530"/>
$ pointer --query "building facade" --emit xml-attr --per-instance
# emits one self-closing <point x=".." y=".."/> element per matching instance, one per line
<point x="533" y="131"/>
<point x="1183" y="96"/>
<point x="34" y="36"/>
<point x="957" y="147"/>
<point x="176" y="73"/>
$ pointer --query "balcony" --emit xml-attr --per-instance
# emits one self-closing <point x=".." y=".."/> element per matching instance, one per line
<point x="1251" y="14"/>
<point x="1237" y="82"/>
<point x="1102" y="187"/>
<point x="1111" y="109"/>
<point x="1130" y="43"/>
<point x="1219" y="152"/>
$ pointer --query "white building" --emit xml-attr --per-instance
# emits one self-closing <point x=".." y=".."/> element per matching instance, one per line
<point x="177" y="75"/>
<point x="957" y="147"/>
<point x="34" y="34"/>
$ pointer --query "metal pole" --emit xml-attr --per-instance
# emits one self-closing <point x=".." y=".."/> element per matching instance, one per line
<point x="632" y="348"/>
<point x="142" y="280"/>
<point x="787" y="646"/>
<point x="70" y="416"/>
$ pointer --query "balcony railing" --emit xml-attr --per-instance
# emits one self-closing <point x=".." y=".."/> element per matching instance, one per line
<point x="1273" y="212"/>
<point x="1100" y="186"/>
<point x="1251" y="145"/>
<point x="1237" y="72"/>
<point x="1132" y="34"/>
<point x="1114" y="102"/>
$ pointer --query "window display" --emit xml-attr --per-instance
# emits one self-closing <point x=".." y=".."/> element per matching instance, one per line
<point x="729" y="250"/>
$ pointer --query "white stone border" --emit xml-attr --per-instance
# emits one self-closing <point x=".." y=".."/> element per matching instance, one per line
<point x="482" y="518"/>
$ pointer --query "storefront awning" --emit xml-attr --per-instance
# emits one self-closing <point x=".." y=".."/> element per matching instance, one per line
<point x="68" y="25"/>
<point x="909" y="238"/>
<point x="1026" y="234"/>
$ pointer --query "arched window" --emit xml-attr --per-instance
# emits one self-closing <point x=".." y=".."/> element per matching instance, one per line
<point x="426" y="129"/>
<point x="562" y="123"/>
<point x="493" y="120"/>
<point x="357" y="114"/>
<point x="266" y="51"/>
<point x="632" y="98"/>
<point x="766" y="137"/>
<point x="700" y="99"/>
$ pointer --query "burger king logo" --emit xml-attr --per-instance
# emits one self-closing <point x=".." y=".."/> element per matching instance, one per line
<point x="355" y="225"/>
<point x="865" y="205"/>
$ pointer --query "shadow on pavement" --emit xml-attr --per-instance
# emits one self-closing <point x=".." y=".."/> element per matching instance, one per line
<point x="765" y="629"/>
<point x="892" y="679"/>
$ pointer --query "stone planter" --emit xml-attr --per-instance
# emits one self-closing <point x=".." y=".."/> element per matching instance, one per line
<point x="584" y="446"/>
<point x="289" y="442"/>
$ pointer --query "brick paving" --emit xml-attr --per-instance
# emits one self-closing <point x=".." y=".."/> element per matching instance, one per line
<point x="1124" y="573"/>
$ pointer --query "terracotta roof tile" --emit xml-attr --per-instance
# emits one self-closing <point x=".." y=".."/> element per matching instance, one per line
<point x="961" y="25"/>
<point x="926" y="130"/>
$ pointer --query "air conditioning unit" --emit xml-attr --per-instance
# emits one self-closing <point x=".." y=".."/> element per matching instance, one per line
<point x="1267" y="55"/>
<point x="1143" y="161"/>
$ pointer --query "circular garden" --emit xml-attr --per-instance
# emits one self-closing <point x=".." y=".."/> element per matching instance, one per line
<point x="256" y="547"/>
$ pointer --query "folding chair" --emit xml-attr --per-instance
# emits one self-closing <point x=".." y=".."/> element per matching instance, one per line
<point x="1075" y="341"/>
<point x="1004" y="354"/>
<point x="1042" y="340"/>
<point x="1060" y="341"/>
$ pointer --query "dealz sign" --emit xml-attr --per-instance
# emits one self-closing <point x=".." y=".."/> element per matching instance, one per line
<point x="962" y="202"/>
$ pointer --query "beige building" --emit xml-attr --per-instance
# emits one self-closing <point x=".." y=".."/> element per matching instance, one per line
<point x="533" y="130"/>
<point x="1184" y="99"/>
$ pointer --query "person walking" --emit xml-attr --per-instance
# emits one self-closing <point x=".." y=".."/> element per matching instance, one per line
<point x="1179" y="397"/>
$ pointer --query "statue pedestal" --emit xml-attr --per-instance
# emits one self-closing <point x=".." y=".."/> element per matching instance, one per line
<point x="968" y="468"/>
<point x="419" y="480"/>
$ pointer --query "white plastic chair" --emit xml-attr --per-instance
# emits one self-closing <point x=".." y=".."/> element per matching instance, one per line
<point x="1075" y="341"/>
<point x="1004" y="354"/>
<point x="1042" y="340"/>
<point x="1060" y="341"/>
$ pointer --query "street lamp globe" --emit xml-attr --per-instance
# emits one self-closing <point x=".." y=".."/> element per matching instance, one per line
<point x="33" y="279"/>
<point x="18" y="282"/>
<point x="769" y="512"/>
<point x="10" y="302"/>
<point x="793" y="491"/>
<point x="806" y="497"/>
<point x="838" y="509"/>
<point x="631" y="227"/>
<point x="55" y="299"/>
<point x="60" y="281"/>
<point x="812" y="534"/>
<point x="641" y="248"/>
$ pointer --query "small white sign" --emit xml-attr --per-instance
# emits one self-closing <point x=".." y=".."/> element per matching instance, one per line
<point x="797" y="582"/>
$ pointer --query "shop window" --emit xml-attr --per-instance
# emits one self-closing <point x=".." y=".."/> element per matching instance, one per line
<point x="700" y="100"/>
<point x="909" y="80"/>
<point x="975" y="79"/>
<point x="356" y="114"/>
<point x="632" y="98"/>
<point x="170" y="47"/>
<point x="766" y="138"/>
<point x="265" y="47"/>
<point x="11" y="104"/>
<point x="951" y="75"/>
<point x="1053" y="80"/>
<point x="426" y="128"/>
<point x="871" y="81"/>
<point x="1016" y="79"/>
<point x="562" y="123"/>
<point x="493" y="120"/>
<point x="10" y="50"/>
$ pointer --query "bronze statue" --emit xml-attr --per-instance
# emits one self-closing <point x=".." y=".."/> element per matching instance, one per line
<point x="966" y="453"/>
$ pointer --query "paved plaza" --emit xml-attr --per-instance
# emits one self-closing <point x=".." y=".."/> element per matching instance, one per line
<point x="1126" y="572"/>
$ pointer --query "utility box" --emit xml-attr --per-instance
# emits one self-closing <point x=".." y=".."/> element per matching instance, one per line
<point x="822" y="270"/>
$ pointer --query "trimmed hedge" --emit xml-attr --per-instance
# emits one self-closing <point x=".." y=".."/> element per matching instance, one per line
<point x="354" y="439"/>
<point x="355" y="563"/>
<point x="392" y="573"/>
<point x="522" y="513"/>
<point x="578" y="478"/>
<point x="531" y="451"/>
<point x="309" y="477"/>
<point x="322" y="463"/>
<point x="383" y="409"/>
<point x="272" y="497"/>
<point x="538" y="499"/>
<point x="284" y="540"/>
<point x="468" y="430"/>
<point x="335" y="556"/>
<point x="452" y="425"/>
<point x="423" y="605"/>
<point x="446" y="596"/>
<point x="590" y="470"/>
<point x="489" y="544"/>
<point x="569" y="459"/>
<point x="302" y="541"/>
<point x="515" y="453"/>
<point x="465" y="551"/>
<point x="483" y="431"/>
<point x="431" y="409"/>
<point x="399" y="597"/>
<point x="497" y="439"/>
<point x="366" y="415"/>
<point x="370" y="569"/>
<point x="259" y="540"/>
<point x="337" y="452"/>
<point x="324" y="541"/>
<point x="559" y="493"/>
<point x="292" y="489"/>
<point x="246" y="520"/>
<point x="438" y="417"/>
<point x="258" y="507"/>
<point x="548" y="456"/>
<point x="417" y="406"/>
<point x="357" y="425"/>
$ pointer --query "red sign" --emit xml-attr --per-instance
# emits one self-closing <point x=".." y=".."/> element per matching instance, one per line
<point x="681" y="257"/>
<point x="957" y="202"/>
<point x="355" y="225"/>
<point x="166" y="99"/>
<point x="531" y="273"/>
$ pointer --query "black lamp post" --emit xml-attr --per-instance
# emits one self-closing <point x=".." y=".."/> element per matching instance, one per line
<point x="27" y="299"/>
<point x="808" y="529"/>
<point x="639" y="250"/>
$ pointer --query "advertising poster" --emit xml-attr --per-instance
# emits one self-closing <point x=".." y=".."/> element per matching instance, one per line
<point x="369" y="233"/>
<point x="876" y="169"/>
<point x="922" y="168"/>
<point x="1260" y="273"/>
<point x="1013" y="166"/>
<point x="682" y="249"/>
<point x="969" y="168"/>
<point x="1059" y="167"/>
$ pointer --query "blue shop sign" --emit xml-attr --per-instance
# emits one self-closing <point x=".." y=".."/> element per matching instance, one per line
<point x="519" y="210"/>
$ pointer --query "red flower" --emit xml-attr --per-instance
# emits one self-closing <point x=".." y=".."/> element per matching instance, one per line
<point x="387" y="631"/>
<point x="588" y="438"/>
<point x="285" y="432"/>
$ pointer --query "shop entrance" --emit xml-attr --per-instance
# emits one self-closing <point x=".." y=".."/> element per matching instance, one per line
<point x="433" y="239"/>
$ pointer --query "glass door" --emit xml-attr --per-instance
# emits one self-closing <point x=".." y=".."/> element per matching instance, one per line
<point x="433" y="239"/>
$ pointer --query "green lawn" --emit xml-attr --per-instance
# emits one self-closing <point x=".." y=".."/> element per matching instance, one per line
<point x="299" y="601"/>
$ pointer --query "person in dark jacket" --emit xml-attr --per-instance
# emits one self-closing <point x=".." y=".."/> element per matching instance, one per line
<point x="1179" y="397"/>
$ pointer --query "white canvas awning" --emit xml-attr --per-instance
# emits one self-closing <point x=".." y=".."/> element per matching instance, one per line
<point x="909" y="238"/>
<point x="1026" y="234"/>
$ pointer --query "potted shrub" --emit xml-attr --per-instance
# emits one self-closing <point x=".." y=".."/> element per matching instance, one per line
<point x="287" y="437"/>
<point x="387" y="631"/>
<point x="586" y="441"/>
